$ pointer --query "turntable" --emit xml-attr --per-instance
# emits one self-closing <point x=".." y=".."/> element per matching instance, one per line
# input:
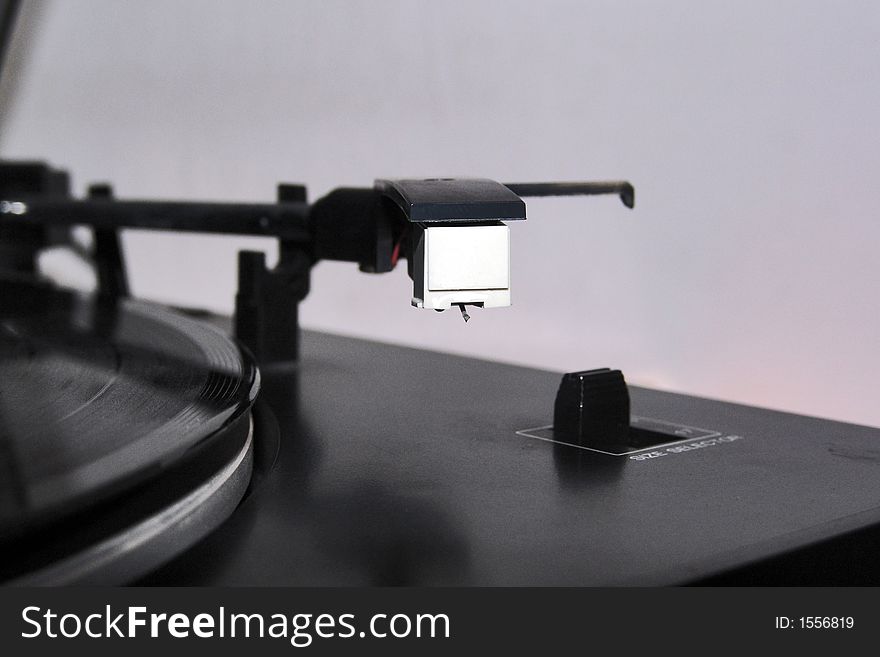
<point x="144" y="444"/>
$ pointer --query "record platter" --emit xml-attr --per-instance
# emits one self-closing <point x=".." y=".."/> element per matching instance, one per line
<point x="151" y="445"/>
<point x="119" y="424"/>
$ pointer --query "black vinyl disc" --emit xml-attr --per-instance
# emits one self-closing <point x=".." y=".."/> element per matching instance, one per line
<point x="96" y="399"/>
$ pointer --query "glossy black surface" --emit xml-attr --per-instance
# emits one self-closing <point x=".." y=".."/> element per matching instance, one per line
<point x="440" y="200"/>
<point x="401" y="466"/>
<point x="96" y="399"/>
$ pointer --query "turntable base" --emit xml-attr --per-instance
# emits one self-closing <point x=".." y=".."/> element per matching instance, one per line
<point x="405" y="467"/>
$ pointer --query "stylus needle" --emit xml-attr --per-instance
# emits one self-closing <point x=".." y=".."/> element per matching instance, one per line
<point x="464" y="313"/>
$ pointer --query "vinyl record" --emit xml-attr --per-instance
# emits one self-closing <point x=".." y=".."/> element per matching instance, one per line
<point x="98" y="400"/>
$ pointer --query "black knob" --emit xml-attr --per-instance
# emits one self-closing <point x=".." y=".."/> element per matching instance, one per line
<point x="592" y="409"/>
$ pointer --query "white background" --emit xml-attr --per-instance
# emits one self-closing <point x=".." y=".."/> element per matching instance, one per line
<point x="748" y="271"/>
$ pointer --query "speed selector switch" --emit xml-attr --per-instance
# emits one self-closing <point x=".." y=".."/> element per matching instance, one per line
<point x="592" y="409"/>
